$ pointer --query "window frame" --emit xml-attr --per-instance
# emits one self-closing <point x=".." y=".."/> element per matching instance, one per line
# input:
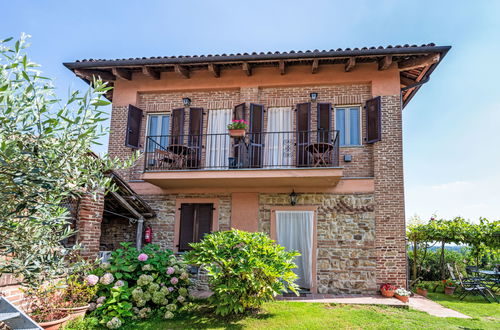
<point x="347" y="123"/>
<point x="148" y="118"/>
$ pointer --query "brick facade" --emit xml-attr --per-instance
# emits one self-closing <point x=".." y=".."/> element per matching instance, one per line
<point x="89" y="224"/>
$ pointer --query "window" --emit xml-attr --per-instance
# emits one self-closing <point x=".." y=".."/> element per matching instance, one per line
<point x="196" y="221"/>
<point x="347" y="122"/>
<point x="158" y="129"/>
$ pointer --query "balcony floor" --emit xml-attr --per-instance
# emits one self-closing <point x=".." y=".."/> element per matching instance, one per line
<point x="293" y="177"/>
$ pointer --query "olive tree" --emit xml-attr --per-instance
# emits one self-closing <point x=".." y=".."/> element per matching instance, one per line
<point x="45" y="159"/>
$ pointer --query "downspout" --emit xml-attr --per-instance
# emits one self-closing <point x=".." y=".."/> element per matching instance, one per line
<point x="138" y="236"/>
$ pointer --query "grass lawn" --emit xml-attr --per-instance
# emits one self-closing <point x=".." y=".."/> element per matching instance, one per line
<point x="295" y="315"/>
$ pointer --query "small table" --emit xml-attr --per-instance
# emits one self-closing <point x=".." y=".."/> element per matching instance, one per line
<point x="320" y="152"/>
<point x="175" y="155"/>
<point x="489" y="273"/>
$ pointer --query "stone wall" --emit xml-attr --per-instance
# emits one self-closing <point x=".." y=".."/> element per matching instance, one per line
<point x="346" y="255"/>
<point x="116" y="230"/>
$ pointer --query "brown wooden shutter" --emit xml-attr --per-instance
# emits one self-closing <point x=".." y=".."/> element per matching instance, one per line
<point x="240" y="150"/>
<point x="373" y="120"/>
<point x="186" y="226"/>
<point x="196" y="221"/>
<point x="256" y="127"/>
<point x="195" y="136"/>
<point x="303" y="134"/>
<point x="133" y="133"/>
<point x="177" y="129"/>
<point x="324" y="122"/>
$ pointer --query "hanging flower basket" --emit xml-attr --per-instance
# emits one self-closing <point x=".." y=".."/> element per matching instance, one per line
<point x="237" y="128"/>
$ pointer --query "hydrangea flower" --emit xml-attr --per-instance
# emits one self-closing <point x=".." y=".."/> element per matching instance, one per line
<point x="170" y="289"/>
<point x="92" y="280"/>
<point x="183" y="292"/>
<point x="142" y="257"/>
<point x="168" y="315"/>
<point x="171" y="307"/>
<point x="181" y="299"/>
<point x="101" y="299"/>
<point x="147" y="267"/>
<point x="92" y="307"/>
<point x="143" y="313"/>
<point x="145" y="280"/>
<point x="170" y="270"/>
<point x="107" y="278"/>
<point x="105" y="265"/>
<point x="153" y="287"/>
<point x="114" y="323"/>
<point x="174" y="280"/>
<point x="184" y="276"/>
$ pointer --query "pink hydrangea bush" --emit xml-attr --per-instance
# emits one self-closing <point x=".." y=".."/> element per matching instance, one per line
<point x="141" y="284"/>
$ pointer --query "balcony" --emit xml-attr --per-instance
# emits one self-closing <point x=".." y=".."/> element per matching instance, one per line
<point x="310" y="158"/>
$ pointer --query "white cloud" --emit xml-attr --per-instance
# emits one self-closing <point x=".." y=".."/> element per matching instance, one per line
<point x="469" y="199"/>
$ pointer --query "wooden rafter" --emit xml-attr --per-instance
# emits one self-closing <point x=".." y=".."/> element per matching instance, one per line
<point x="247" y="69"/>
<point x="350" y="64"/>
<point x="150" y="72"/>
<point x="407" y="81"/>
<point x="385" y="62"/>
<point x="282" y="67"/>
<point x="315" y="66"/>
<point x="182" y="71"/>
<point x="89" y="74"/>
<point x="419" y="78"/>
<point x="418" y="62"/>
<point x="214" y="69"/>
<point x="122" y="73"/>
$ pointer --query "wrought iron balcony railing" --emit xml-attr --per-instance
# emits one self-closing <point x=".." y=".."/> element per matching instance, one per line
<point x="265" y="150"/>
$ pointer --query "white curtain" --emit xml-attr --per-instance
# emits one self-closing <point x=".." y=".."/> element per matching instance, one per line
<point x="294" y="231"/>
<point x="217" y="152"/>
<point x="278" y="150"/>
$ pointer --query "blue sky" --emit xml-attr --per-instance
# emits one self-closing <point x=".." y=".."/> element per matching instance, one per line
<point x="451" y="128"/>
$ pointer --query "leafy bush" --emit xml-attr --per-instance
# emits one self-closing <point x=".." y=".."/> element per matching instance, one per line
<point x="77" y="292"/>
<point x="429" y="263"/>
<point x="138" y="284"/>
<point x="245" y="269"/>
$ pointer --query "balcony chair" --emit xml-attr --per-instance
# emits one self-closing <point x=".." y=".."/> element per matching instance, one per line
<point x="470" y="285"/>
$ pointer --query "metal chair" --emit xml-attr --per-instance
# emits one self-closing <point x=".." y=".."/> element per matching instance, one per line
<point x="470" y="286"/>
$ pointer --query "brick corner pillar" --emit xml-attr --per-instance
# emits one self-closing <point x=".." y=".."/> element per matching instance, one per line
<point x="389" y="196"/>
<point x="89" y="220"/>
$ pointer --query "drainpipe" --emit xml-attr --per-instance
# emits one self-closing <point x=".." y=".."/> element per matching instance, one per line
<point x="138" y="236"/>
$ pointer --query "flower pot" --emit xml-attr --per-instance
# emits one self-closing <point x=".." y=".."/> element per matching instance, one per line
<point x="54" y="325"/>
<point x="404" y="299"/>
<point x="449" y="290"/>
<point x="422" y="292"/>
<point x="237" y="132"/>
<point x="75" y="312"/>
<point x="387" y="293"/>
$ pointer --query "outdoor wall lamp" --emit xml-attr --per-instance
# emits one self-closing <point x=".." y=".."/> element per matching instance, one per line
<point x="314" y="96"/>
<point x="186" y="101"/>
<point x="293" y="198"/>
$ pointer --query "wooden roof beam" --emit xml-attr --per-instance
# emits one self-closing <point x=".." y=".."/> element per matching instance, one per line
<point x="122" y="73"/>
<point x="351" y="63"/>
<point x="90" y="74"/>
<point x="247" y="69"/>
<point x="282" y="67"/>
<point x="150" y="72"/>
<point x="385" y="62"/>
<point x="315" y="66"/>
<point x="182" y="71"/>
<point x="407" y="81"/>
<point x="214" y="69"/>
<point x="418" y="62"/>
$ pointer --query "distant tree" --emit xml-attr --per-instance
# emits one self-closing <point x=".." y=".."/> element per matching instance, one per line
<point x="45" y="159"/>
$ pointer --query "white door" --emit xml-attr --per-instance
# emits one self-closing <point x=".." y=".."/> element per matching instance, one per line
<point x="294" y="231"/>
<point x="278" y="149"/>
<point x="218" y="143"/>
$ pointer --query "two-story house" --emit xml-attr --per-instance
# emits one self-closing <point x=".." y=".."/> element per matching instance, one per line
<point x="320" y="168"/>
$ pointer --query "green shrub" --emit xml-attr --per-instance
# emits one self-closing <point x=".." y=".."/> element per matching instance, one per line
<point x="245" y="269"/>
<point x="137" y="284"/>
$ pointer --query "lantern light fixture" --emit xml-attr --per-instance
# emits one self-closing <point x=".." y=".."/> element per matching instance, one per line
<point x="186" y="101"/>
<point x="293" y="198"/>
<point x="314" y="96"/>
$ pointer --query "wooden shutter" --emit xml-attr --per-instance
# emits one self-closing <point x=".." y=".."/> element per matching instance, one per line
<point x="186" y="226"/>
<point x="303" y="126"/>
<point x="240" y="150"/>
<point x="195" y="136"/>
<point x="373" y="120"/>
<point x="196" y="221"/>
<point x="324" y="122"/>
<point x="256" y="126"/>
<point x="177" y="129"/>
<point x="134" y="119"/>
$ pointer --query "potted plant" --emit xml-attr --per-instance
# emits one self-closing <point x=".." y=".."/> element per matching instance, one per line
<point x="77" y="294"/>
<point x="402" y="294"/>
<point x="237" y="128"/>
<point x="422" y="289"/>
<point x="449" y="287"/>
<point x="387" y="290"/>
<point x="42" y="304"/>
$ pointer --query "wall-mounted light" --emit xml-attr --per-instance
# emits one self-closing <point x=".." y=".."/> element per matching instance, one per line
<point x="314" y="96"/>
<point x="293" y="197"/>
<point x="186" y="101"/>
